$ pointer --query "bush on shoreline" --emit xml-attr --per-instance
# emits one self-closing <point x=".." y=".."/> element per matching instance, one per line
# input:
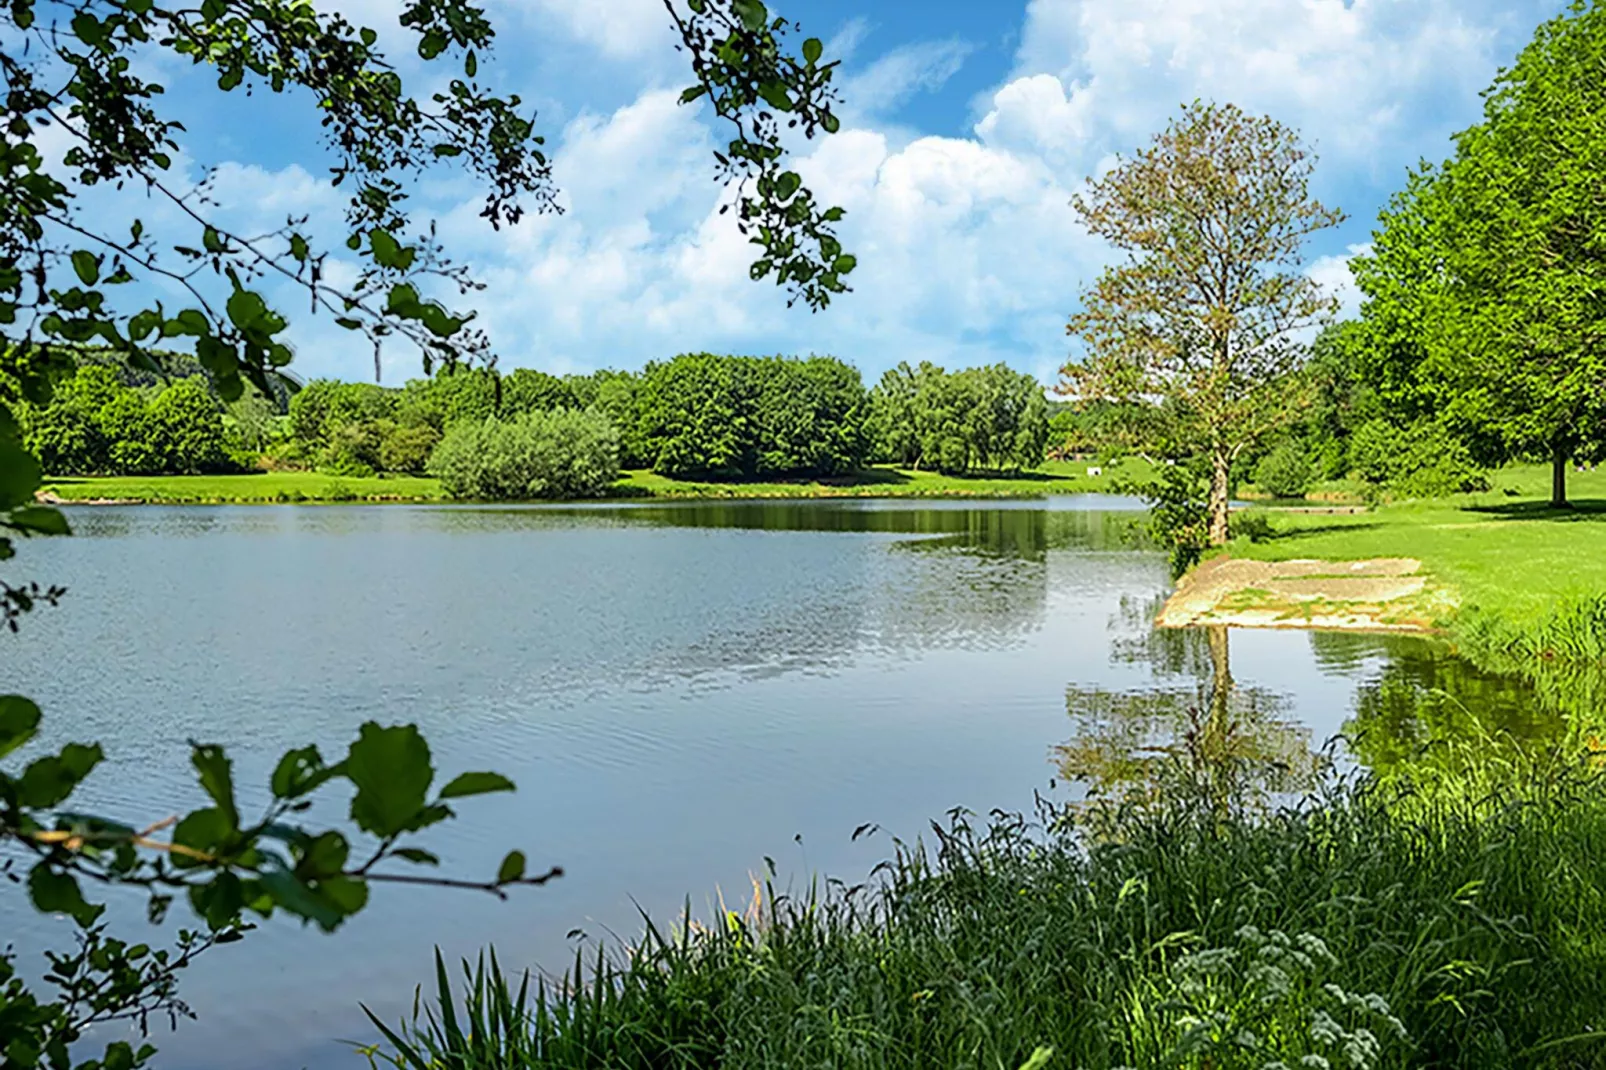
<point x="560" y="454"/>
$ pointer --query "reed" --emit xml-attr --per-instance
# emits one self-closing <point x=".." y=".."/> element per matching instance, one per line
<point x="1452" y="920"/>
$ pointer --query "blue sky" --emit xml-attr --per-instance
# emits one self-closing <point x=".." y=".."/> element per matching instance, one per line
<point x="968" y="128"/>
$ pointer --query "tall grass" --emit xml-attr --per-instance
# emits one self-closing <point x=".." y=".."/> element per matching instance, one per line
<point x="1452" y="922"/>
<point x="1571" y="630"/>
<point x="1561" y="651"/>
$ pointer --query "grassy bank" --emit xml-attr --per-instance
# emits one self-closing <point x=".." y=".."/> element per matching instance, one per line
<point x="1503" y="551"/>
<point x="1517" y="585"/>
<point x="1432" y="924"/>
<point x="274" y="487"/>
<point x="253" y="489"/>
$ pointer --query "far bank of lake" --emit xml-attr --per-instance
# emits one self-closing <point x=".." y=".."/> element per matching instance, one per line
<point x="880" y="481"/>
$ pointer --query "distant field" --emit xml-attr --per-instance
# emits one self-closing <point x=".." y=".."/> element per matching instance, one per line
<point x="272" y="487"/>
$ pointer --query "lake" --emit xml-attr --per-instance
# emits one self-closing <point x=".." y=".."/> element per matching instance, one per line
<point x="680" y="692"/>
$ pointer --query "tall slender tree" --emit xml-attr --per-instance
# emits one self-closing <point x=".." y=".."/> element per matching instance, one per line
<point x="1202" y="316"/>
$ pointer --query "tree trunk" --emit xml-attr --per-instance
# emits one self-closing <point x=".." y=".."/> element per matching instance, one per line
<point x="1213" y="739"/>
<point x="1218" y="498"/>
<point x="1217" y="637"/>
<point x="1558" y="479"/>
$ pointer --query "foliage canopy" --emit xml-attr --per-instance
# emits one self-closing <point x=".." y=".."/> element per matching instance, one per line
<point x="1488" y="273"/>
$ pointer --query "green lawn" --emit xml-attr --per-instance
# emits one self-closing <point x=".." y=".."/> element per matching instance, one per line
<point x="1503" y="550"/>
<point x="878" y="482"/>
<point x="256" y="488"/>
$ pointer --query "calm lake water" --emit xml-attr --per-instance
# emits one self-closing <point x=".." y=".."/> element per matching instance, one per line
<point x="679" y="691"/>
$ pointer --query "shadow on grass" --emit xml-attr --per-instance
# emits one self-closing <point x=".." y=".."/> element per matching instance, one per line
<point x="1583" y="509"/>
<point x="1296" y="534"/>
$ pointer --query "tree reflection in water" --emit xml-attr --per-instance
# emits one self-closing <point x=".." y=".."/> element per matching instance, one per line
<point x="1212" y="742"/>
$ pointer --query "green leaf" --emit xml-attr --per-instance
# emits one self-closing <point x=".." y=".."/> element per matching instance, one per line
<point x="299" y="247"/>
<point x="432" y="814"/>
<point x="212" y="241"/>
<point x="87" y="266"/>
<point x="512" y="868"/>
<point x="471" y="65"/>
<point x="391" y="770"/>
<point x="323" y="856"/>
<point x="692" y="93"/>
<point x="440" y="323"/>
<point x="54" y="892"/>
<point x="88" y="29"/>
<point x="218" y="901"/>
<point x="48" y="781"/>
<point x="188" y="322"/>
<point x="348" y="894"/>
<point x="387" y="250"/>
<point x="348" y="323"/>
<point x="812" y="51"/>
<point x="776" y="95"/>
<point x="754" y="15"/>
<point x="143" y="323"/>
<point x="216" y="774"/>
<point x="831" y="123"/>
<point x="432" y="44"/>
<point x="207" y="831"/>
<point x="416" y="855"/>
<point x="301" y="771"/>
<point x="291" y="894"/>
<point x="403" y="301"/>
<point x="247" y="309"/>
<point x="39" y="519"/>
<point x="466" y="784"/>
<point x="19" y="721"/>
<point x="844" y="263"/>
<point x="19" y="469"/>
<point x="787" y="184"/>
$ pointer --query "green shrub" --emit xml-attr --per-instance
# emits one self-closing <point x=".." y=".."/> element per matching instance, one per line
<point x="188" y="428"/>
<point x="407" y="449"/>
<point x="1251" y="524"/>
<point x="559" y="454"/>
<point x="1285" y="472"/>
<point x="1419" y="460"/>
<point x="1178" y="510"/>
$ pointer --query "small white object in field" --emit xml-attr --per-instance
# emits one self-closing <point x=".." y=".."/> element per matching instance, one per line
<point x="1095" y="470"/>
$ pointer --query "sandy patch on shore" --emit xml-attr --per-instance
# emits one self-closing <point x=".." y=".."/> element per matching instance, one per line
<point x="1381" y="594"/>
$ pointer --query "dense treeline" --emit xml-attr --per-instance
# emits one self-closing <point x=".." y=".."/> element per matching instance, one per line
<point x="977" y="419"/>
<point x="1364" y="423"/>
<point x="97" y="422"/>
<point x="752" y="417"/>
<point x="698" y="415"/>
